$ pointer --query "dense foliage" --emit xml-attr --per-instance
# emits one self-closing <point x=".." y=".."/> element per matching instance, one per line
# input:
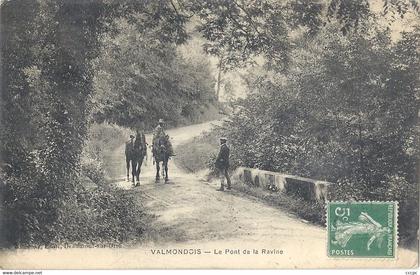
<point x="47" y="85"/>
<point x="237" y="31"/>
<point x="141" y="79"/>
<point x="44" y="106"/>
<point x="346" y="112"/>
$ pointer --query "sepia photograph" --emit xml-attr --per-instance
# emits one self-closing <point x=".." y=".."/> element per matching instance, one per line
<point x="209" y="134"/>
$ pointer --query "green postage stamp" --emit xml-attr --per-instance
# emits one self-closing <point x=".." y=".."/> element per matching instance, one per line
<point x="362" y="229"/>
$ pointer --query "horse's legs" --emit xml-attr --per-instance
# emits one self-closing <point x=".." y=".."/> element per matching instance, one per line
<point x="133" y="169"/>
<point x="165" y="163"/>
<point x="157" y="169"/>
<point x="140" y="162"/>
<point x="127" y="162"/>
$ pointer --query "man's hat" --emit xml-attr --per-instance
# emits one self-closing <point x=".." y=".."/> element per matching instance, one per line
<point x="131" y="136"/>
<point x="223" y="138"/>
<point x="161" y="120"/>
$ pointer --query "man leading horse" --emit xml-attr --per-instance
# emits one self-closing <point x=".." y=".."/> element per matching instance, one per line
<point x="135" y="151"/>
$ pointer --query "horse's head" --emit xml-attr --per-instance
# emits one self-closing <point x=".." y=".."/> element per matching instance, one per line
<point x="162" y="143"/>
<point x="163" y="140"/>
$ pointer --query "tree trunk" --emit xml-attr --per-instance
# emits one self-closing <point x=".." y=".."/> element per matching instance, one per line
<point x="219" y="78"/>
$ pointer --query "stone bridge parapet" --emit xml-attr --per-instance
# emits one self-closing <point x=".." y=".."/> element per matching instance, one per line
<point x="306" y="188"/>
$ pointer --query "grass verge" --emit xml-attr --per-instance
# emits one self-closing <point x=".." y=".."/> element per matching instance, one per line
<point x="102" y="215"/>
<point x="197" y="154"/>
<point x="310" y="211"/>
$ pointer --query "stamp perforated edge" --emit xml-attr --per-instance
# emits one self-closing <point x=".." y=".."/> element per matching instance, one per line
<point x="396" y="237"/>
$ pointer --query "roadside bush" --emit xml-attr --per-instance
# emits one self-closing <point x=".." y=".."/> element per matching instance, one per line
<point x="345" y="112"/>
<point x="101" y="215"/>
<point x="93" y="169"/>
<point x="310" y="211"/>
<point x="104" y="215"/>
<point x="21" y="218"/>
<point x="100" y="218"/>
<point x="102" y="140"/>
<point x="211" y="164"/>
<point x="199" y="153"/>
<point x="30" y="200"/>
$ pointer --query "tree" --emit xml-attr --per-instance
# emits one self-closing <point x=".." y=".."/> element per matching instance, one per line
<point x="47" y="48"/>
<point x="141" y="79"/>
<point x="243" y="30"/>
<point x="347" y="113"/>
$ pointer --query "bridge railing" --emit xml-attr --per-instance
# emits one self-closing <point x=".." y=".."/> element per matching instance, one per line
<point x="306" y="188"/>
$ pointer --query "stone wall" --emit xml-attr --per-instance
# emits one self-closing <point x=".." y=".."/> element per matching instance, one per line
<point x="308" y="189"/>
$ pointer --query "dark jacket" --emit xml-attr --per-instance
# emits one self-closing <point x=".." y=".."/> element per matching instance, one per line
<point x="129" y="148"/>
<point x="222" y="160"/>
<point x="140" y="142"/>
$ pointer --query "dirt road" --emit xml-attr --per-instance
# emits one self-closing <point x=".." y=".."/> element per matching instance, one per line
<point x="198" y="227"/>
<point x="191" y="214"/>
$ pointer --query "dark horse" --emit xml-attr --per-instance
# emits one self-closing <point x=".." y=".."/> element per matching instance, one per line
<point x="134" y="153"/>
<point x="161" y="154"/>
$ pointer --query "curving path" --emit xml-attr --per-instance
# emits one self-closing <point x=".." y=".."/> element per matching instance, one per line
<point x="211" y="227"/>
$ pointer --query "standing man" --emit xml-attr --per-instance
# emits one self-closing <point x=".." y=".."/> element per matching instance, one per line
<point x="222" y="163"/>
<point x="129" y="150"/>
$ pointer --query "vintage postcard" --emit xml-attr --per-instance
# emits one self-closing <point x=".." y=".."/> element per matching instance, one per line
<point x="198" y="134"/>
